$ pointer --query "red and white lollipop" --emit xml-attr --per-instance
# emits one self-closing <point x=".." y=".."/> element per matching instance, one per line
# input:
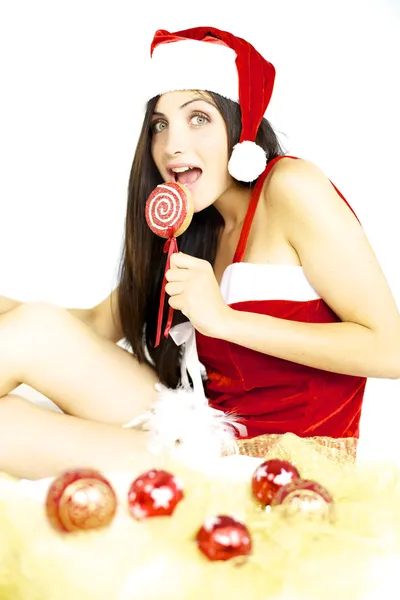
<point x="169" y="211"/>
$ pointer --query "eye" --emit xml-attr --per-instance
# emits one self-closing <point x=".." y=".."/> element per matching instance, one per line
<point x="199" y="118"/>
<point x="158" y="126"/>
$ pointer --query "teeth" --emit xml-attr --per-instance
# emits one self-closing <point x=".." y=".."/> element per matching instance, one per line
<point x="181" y="169"/>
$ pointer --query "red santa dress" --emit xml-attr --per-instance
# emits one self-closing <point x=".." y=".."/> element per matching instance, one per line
<point x="265" y="393"/>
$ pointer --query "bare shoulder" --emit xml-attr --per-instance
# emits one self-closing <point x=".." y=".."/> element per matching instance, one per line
<point x="292" y="180"/>
<point x="332" y="247"/>
<point x="290" y="166"/>
<point x="300" y="193"/>
<point x="107" y="321"/>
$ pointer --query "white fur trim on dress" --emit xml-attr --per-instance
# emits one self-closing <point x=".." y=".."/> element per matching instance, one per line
<point x="246" y="282"/>
<point x="184" y="414"/>
<point x="181" y="423"/>
<point x="193" y="65"/>
<point x="187" y="430"/>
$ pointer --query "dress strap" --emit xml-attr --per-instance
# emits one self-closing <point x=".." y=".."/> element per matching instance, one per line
<point x="244" y="234"/>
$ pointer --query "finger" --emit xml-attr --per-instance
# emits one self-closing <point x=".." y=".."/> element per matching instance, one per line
<point x="174" y="288"/>
<point x="175" y="302"/>
<point x="185" y="261"/>
<point x="177" y="274"/>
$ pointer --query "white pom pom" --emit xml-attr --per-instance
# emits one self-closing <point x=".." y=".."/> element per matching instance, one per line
<point x="188" y="430"/>
<point x="247" y="161"/>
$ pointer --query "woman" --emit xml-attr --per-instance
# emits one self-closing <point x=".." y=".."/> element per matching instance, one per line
<point x="291" y="310"/>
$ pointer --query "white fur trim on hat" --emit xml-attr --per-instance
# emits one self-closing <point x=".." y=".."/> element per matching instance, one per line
<point x="193" y="65"/>
<point x="247" y="161"/>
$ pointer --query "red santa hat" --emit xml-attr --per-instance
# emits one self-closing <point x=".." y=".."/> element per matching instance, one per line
<point x="205" y="58"/>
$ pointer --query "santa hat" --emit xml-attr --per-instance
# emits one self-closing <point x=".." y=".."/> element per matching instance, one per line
<point x="205" y="58"/>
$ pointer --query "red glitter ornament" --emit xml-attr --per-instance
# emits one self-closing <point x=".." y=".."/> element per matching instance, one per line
<point x="270" y="476"/>
<point x="80" y="499"/>
<point x="153" y="494"/>
<point x="223" y="538"/>
<point x="305" y="497"/>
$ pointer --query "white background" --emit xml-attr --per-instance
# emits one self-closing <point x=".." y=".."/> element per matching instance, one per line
<point x="71" y="108"/>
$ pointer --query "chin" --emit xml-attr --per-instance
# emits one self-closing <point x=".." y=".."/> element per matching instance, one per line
<point x="202" y="201"/>
<point x="198" y="207"/>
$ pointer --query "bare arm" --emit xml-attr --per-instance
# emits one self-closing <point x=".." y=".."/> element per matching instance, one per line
<point x="341" y="266"/>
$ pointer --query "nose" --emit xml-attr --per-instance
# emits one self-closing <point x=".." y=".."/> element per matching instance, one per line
<point x="176" y="139"/>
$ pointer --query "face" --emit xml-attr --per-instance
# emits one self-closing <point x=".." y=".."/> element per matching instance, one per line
<point x="189" y="131"/>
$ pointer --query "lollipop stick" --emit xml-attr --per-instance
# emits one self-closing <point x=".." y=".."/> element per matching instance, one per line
<point x="169" y="321"/>
<point x="170" y="246"/>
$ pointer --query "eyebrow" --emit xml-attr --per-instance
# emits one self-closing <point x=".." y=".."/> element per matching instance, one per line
<point x="159" y="114"/>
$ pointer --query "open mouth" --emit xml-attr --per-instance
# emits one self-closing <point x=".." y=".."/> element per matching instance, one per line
<point x="185" y="175"/>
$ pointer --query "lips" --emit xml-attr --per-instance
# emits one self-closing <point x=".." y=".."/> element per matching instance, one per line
<point x="187" y="177"/>
<point x="186" y="166"/>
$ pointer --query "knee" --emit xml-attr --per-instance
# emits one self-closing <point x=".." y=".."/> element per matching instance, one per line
<point x="34" y="324"/>
<point x="40" y="313"/>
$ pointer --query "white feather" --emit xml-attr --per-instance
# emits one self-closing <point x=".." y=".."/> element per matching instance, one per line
<point x="188" y="430"/>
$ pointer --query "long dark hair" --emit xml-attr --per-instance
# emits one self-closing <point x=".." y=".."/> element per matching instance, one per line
<point x="143" y="261"/>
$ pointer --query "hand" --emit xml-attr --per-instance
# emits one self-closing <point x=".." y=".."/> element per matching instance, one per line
<point x="194" y="291"/>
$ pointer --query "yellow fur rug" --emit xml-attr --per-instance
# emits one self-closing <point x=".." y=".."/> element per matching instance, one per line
<point x="157" y="559"/>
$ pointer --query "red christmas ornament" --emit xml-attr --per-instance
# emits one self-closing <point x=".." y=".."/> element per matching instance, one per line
<point x="270" y="476"/>
<point x="153" y="494"/>
<point x="80" y="499"/>
<point x="305" y="497"/>
<point x="223" y="538"/>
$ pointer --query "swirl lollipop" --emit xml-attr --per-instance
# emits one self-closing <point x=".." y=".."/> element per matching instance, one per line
<point x="169" y="211"/>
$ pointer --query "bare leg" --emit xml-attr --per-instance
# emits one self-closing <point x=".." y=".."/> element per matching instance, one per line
<point x="47" y="348"/>
<point x="36" y="443"/>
